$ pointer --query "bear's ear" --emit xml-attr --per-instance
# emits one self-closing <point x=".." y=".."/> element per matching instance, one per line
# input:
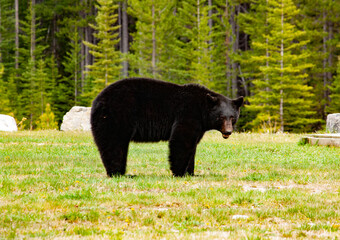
<point x="211" y="99"/>
<point x="238" y="101"/>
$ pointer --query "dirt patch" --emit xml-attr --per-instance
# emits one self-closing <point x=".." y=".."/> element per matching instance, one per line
<point x="312" y="188"/>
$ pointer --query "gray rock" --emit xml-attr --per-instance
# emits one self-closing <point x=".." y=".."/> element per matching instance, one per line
<point x="7" y="123"/>
<point x="77" y="119"/>
<point x="333" y="123"/>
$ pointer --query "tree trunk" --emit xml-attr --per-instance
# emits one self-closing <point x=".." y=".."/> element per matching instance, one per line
<point x="330" y="64"/>
<point x="324" y="62"/>
<point x="16" y="3"/>
<point x="124" y="38"/>
<point x="86" y="36"/>
<point x="281" y="63"/>
<point x="76" y="65"/>
<point x="267" y="50"/>
<point x="82" y="62"/>
<point x="210" y="23"/>
<point x="153" y="60"/>
<point x="198" y="27"/>
<point x="234" y="49"/>
<point x="32" y="49"/>
<point x="53" y="35"/>
<point x="227" y="44"/>
<point x="0" y="32"/>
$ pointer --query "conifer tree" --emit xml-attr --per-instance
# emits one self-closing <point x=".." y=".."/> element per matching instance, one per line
<point x="29" y="96"/>
<point x="6" y="34"/>
<point x="107" y="63"/>
<point x="56" y="90"/>
<point x="321" y="21"/>
<point x="149" y="48"/>
<point x="193" y="43"/>
<point x="31" y="99"/>
<point x="72" y="63"/>
<point x="36" y="91"/>
<point x="12" y="94"/>
<point x="32" y="36"/>
<point x="335" y="91"/>
<point x="47" y="120"/>
<point x="201" y="70"/>
<point x="4" y="106"/>
<point x="219" y="48"/>
<point x="255" y="24"/>
<point x="44" y="84"/>
<point x="282" y="98"/>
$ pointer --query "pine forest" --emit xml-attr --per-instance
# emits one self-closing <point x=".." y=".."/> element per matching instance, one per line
<point x="282" y="55"/>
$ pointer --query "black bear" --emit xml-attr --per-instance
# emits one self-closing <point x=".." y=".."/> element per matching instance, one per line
<point x="148" y="110"/>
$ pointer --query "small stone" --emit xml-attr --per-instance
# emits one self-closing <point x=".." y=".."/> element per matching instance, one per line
<point x="235" y="217"/>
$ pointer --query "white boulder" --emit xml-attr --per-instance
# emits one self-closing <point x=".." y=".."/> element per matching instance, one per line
<point x="7" y="123"/>
<point x="77" y="119"/>
<point x="333" y="123"/>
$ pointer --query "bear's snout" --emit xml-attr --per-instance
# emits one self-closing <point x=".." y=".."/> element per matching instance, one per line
<point x="227" y="128"/>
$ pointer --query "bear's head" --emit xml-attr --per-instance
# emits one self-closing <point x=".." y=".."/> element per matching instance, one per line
<point x="223" y="113"/>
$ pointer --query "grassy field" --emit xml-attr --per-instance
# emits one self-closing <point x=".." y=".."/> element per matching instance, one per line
<point x="251" y="186"/>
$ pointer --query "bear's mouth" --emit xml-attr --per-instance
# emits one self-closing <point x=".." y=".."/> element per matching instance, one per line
<point x="225" y="135"/>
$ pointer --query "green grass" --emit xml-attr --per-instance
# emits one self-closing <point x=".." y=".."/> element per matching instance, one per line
<point x="53" y="185"/>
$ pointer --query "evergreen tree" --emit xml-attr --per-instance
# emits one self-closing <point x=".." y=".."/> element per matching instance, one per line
<point x="32" y="36"/>
<point x="56" y="90"/>
<point x="335" y="91"/>
<point x="255" y="24"/>
<point x="148" y="50"/>
<point x="321" y="21"/>
<point x="72" y="63"/>
<point x="7" y="34"/>
<point x="6" y="55"/>
<point x="74" y="28"/>
<point x="31" y="95"/>
<point x="193" y="43"/>
<point x="4" y="106"/>
<point x="47" y="120"/>
<point x="220" y="50"/>
<point x="107" y="64"/>
<point x="201" y="69"/>
<point x="44" y="84"/>
<point x="282" y="98"/>
<point x="36" y="89"/>
<point x="62" y="94"/>
<point x="12" y="94"/>
<point x="29" y="98"/>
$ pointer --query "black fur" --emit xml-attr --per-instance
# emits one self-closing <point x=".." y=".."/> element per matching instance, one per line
<point x="148" y="110"/>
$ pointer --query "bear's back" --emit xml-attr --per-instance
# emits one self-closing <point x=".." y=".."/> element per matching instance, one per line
<point x="146" y="106"/>
<point x="150" y="107"/>
<point x="141" y="88"/>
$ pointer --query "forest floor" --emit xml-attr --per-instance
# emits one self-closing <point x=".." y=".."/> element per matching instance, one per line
<point x="251" y="186"/>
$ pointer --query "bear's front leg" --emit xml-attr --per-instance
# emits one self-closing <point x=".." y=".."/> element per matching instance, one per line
<point x="183" y="142"/>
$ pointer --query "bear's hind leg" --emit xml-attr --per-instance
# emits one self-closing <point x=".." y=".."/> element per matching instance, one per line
<point x="114" y="158"/>
<point x="112" y="145"/>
